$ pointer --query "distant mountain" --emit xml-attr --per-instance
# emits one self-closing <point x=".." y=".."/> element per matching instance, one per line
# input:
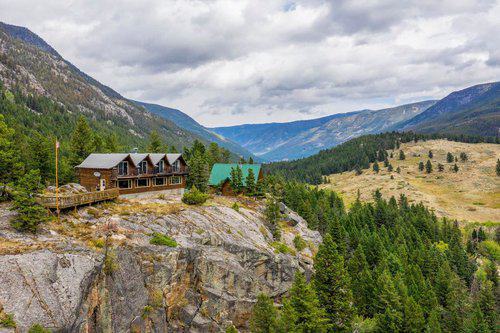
<point x="282" y="141"/>
<point x="471" y="111"/>
<point x="186" y="122"/>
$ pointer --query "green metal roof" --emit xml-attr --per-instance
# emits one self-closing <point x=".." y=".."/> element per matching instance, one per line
<point x="220" y="172"/>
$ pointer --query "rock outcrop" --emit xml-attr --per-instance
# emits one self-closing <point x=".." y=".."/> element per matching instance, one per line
<point x="64" y="280"/>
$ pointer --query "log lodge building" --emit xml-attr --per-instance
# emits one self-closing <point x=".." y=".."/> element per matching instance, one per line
<point x="133" y="173"/>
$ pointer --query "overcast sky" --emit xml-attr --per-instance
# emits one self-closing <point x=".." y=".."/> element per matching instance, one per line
<point x="233" y="62"/>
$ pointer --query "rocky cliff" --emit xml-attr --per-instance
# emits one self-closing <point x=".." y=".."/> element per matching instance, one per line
<point x="66" y="278"/>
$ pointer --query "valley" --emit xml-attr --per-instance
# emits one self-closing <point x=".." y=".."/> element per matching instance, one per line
<point x="470" y="194"/>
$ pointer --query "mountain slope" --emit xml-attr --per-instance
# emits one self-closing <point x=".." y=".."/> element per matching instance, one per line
<point x="471" y="111"/>
<point x="280" y="141"/>
<point x="30" y="65"/>
<point x="186" y="122"/>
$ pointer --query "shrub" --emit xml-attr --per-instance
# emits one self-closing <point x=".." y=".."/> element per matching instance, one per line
<point x="490" y="249"/>
<point x="280" y="247"/>
<point x="147" y="311"/>
<point x="236" y="207"/>
<point x="37" y="328"/>
<point x="161" y="239"/>
<point x="7" y="320"/>
<point x="299" y="243"/>
<point x="194" y="197"/>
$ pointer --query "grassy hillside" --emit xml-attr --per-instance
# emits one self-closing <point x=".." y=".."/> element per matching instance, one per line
<point x="471" y="193"/>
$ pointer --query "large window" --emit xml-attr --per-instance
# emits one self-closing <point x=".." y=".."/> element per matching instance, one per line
<point x="160" y="181"/>
<point x="176" y="166"/>
<point x="143" y="167"/>
<point x="125" y="183"/>
<point x="123" y="168"/>
<point x="160" y="167"/>
<point x="175" y="180"/>
<point x="143" y="182"/>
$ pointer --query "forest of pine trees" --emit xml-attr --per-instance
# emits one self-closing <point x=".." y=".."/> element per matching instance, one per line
<point x="386" y="266"/>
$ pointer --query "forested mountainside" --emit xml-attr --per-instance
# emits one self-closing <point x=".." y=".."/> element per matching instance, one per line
<point x="471" y="111"/>
<point x="30" y="67"/>
<point x="287" y="141"/>
<point x="186" y="122"/>
<point x="357" y="153"/>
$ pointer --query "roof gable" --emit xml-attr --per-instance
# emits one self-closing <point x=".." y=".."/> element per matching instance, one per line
<point x="156" y="157"/>
<point x="222" y="172"/>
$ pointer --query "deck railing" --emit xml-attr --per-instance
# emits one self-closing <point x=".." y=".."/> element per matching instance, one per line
<point x="73" y="200"/>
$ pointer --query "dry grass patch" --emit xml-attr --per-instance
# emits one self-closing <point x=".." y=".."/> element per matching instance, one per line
<point x="156" y="209"/>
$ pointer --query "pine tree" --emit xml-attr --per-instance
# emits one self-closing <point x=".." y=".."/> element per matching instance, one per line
<point x="40" y="156"/>
<point x="376" y="167"/>
<point x="155" y="144"/>
<point x="402" y="155"/>
<point x="421" y="166"/>
<point x="357" y="170"/>
<point x="332" y="285"/>
<point x="250" y="160"/>
<point x="440" y="167"/>
<point x="433" y="325"/>
<point x="250" y="182"/>
<point x="498" y="167"/>
<point x="198" y="172"/>
<point x="214" y="154"/>
<point x="390" y="315"/>
<point x="81" y="141"/>
<point x="449" y="157"/>
<point x="455" y="168"/>
<point x="29" y="213"/>
<point x="414" y="320"/>
<point x="390" y="168"/>
<point x="398" y="170"/>
<point x="386" y="162"/>
<point x="111" y="143"/>
<point x="431" y="155"/>
<point x="264" y="316"/>
<point x="272" y="214"/>
<point x="309" y="316"/>
<point x="463" y="157"/>
<point x="428" y="166"/>
<point x="10" y="164"/>
<point x="236" y="180"/>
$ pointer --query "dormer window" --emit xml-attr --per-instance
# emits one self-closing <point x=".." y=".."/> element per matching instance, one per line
<point x="123" y="168"/>
<point x="143" y="167"/>
<point x="176" y="166"/>
<point x="161" y="166"/>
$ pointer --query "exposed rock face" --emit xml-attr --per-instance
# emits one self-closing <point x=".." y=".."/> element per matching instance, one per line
<point x="222" y="262"/>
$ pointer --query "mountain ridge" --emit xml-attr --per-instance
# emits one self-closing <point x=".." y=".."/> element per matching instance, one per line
<point x="301" y="138"/>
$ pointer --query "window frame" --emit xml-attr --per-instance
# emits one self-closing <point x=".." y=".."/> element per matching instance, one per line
<point x="143" y="167"/>
<point x="140" y="186"/>
<point x="123" y="166"/>
<point x="175" y="177"/>
<point x="176" y="166"/>
<point x="129" y="182"/>
<point x="164" y="181"/>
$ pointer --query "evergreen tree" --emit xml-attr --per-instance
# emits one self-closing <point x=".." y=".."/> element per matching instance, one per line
<point x="433" y="325"/>
<point x="428" y="166"/>
<point x="214" y="154"/>
<point x="236" y="180"/>
<point x="250" y="160"/>
<point x="198" y="172"/>
<point x="414" y="320"/>
<point x="250" y="182"/>
<point x="264" y="316"/>
<point x="402" y="155"/>
<point x="10" y="165"/>
<point x="376" y="167"/>
<point x="272" y="214"/>
<point x="111" y="143"/>
<point x="390" y="317"/>
<point x="440" y="167"/>
<point x="463" y="157"/>
<point x="398" y="170"/>
<point x="390" y="168"/>
<point x="308" y="314"/>
<point x="155" y="144"/>
<point x="29" y="213"/>
<point x="449" y="157"/>
<point x="332" y="285"/>
<point x="421" y="166"/>
<point x="455" y="168"/>
<point x="81" y="141"/>
<point x="431" y="155"/>
<point x="357" y="170"/>
<point x="498" y="167"/>
<point x="40" y="156"/>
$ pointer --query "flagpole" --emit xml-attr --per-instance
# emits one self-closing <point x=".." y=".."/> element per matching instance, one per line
<point x="57" y="180"/>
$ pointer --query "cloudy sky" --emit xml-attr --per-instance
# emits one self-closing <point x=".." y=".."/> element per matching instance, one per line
<point x="233" y="62"/>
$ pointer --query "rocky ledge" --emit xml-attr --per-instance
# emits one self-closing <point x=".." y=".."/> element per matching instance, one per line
<point x="96" y="270"/>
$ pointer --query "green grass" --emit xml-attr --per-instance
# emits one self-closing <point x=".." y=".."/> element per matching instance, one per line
<point x="299" y="243"/>
<point x="7" y="320"/>
<point x="161" y="239"/>
<point x="280" y="247"/>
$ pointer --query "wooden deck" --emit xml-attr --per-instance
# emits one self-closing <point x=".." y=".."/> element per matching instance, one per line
<point x="73" y="200"/>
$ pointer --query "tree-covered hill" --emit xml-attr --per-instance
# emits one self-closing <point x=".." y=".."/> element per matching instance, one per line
<point x="356" y="153"/>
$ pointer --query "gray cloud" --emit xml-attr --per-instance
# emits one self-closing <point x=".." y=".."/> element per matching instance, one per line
<point x="227" y="62"/>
